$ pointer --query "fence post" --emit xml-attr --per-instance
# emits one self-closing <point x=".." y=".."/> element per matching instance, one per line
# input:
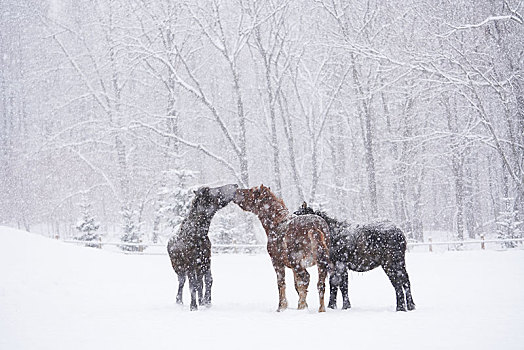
<point x="482" y="244"/>
<point x="430" y="244"/>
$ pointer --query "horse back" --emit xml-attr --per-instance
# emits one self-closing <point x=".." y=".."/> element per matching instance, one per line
<point x="365" y="247"/>
<point x="386" y="235"/>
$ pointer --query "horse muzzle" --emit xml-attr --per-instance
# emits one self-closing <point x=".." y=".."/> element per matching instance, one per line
<point x="238" y="196"/>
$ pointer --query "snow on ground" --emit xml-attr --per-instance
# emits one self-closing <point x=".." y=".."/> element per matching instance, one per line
<point x="59" y="296"/>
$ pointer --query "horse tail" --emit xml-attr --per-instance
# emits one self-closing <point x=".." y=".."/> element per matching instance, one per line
<point x="323" y="264"/>
<point x="322" y="250"/>
<point x="176" y="262"/>
<point x="401" y="238"/>
<point x="397" y="242"/>
<point x="170" y="246"/>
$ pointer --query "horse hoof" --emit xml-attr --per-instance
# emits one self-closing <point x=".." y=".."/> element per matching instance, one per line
<point x="302" y="306"/>
<point x="332" y="306"/>
<point x="346" y="306"/>
<point x="193" y="307"/>
<point x="322" y="309"/>
<point x="401" y="308"/>
<point x="411" y="307"/>
<point x="282" y="305"/>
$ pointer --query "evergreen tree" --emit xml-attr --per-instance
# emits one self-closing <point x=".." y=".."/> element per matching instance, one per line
<point x="508" y="225"/>
<point x="87" y="225"/>
<point x="174" y="200"/>
<point x="132" y="231"/>
<point x="230" y="226"/>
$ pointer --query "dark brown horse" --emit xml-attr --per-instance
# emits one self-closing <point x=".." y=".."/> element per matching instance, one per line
<point x="190" y="248"/>
<point x="362" y="248"/>
<point x="296" y="242"/>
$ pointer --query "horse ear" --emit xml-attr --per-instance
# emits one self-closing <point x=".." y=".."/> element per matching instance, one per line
<point x="304" y="205"/>
<point x="202" y="191"/>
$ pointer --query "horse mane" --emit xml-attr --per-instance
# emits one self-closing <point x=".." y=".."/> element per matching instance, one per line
<point x="197" y="196"/>
<point x="276" y="203"/>
<point x="277" y="199"/>
<point x="194" y="202"/>
<point x="330" y="220"/>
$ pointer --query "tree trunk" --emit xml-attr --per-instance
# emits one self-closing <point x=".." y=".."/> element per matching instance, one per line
<point x="367" y="136"/>
<point x="338" y="157"/>
<point x="244" y="171"/>
<point x="370" y="165"/>
<point x="457" y="167"/>
<point x="288" y="130"/>
<point x="272" y="116"/>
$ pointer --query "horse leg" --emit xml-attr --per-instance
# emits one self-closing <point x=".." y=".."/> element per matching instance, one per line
<point x="301" y="284"/>
<point x="334" y="283"/>
<point x="321" y="285"/>
<point x="181" y="282"/>
<point x="338" y="279"/>
<point x="344" y="289"/>
<point x="208" y="281"/>
<point x="192" y="277"/>
<point x="323" y="263"/>
<point x="297" y="288"/>
<point x="394" y="274"/>
<point x="407" y="288"/>
<point x="402" y="273"/>
<point x="280" y="270"/>
<point x="200" y="287"/>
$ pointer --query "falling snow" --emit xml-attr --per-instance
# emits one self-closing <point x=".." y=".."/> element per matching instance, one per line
<point x="114" y="115"/>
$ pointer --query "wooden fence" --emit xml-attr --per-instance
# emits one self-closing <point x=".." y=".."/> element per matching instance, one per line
<point x="160" y="249"/>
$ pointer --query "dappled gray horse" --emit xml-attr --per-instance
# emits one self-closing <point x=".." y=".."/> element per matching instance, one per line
<point x="190" y="248"/>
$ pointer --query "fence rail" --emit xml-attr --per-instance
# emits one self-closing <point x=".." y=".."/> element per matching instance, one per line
<point x="160" y="249"/>
<point x="457" y="244"/>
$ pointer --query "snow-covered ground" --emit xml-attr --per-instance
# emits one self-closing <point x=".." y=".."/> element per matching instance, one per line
<point x="59" y="296"/>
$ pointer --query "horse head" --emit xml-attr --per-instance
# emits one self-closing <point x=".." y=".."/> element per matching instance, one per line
<point x="212" y="199"/>
<point x="254" y="199"/>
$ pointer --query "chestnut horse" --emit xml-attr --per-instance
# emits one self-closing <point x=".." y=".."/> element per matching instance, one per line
<point x="296" y="242"/>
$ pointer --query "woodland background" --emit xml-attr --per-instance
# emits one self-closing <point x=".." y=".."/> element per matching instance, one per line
<point x="113" y="110"/>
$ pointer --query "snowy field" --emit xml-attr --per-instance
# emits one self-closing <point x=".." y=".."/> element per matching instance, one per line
<point x="59" y="296"/>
